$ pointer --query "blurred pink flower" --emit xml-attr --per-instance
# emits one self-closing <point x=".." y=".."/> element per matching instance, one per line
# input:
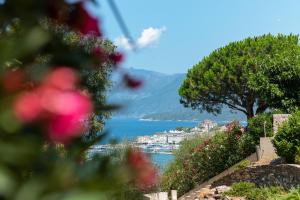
<point x="65" y="109"/>
<point x="62" y="78"/>
<point x="137" y="159"/>
<point x="146" y="173"/>
<point x="27" y="107"/>
<point x="69" y="112"/>
<point x="147" y="177"/>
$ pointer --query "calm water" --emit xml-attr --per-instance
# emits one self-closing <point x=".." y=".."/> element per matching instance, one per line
<point x="129" y="129"/>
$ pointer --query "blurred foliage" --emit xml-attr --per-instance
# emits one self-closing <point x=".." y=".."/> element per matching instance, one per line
<point x="203" y="157"/>
<point x="36" y="39"/>
<point x="248" y="76"/>
<point x="287" y="140"/>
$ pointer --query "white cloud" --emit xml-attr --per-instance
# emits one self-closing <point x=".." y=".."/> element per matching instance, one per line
<point x="148" y="37"/>
<point x="123" y="42"/>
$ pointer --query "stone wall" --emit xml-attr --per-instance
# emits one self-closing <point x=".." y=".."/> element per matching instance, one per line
<point x="284" y="175"/>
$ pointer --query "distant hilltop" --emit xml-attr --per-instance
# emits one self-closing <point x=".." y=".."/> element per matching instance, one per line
<point x="159" y="99"/>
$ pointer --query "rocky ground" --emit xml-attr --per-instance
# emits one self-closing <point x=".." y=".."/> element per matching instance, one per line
<point x="208" y="193"/>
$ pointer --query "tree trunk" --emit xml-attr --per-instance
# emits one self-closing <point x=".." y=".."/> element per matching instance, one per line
<point x="250" y="114"/>
<point x="250" y="104"/>
<point x="262" y="106"/>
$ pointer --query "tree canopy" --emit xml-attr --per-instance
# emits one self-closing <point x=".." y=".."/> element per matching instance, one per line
<point x="248" y="76"/>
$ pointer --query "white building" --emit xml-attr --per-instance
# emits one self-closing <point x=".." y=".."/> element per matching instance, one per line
<point x="175" y="139"/>
<point x="207" y="125"/>
<point x="143" y="139"/>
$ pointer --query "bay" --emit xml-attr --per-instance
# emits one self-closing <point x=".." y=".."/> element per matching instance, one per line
<point x="128" y="129"/>
<point x="124" y="129"/>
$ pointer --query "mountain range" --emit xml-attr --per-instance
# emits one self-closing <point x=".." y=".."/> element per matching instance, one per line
<point x="158" y="99"/>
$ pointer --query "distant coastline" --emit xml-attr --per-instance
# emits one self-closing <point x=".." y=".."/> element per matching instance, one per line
<point x="220" y="122"/>
<point x="167" y="120"/>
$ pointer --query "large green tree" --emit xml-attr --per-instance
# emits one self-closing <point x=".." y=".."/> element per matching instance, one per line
<point x="250" y="76"/>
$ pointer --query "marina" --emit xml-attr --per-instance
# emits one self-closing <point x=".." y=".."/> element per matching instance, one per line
<point x="165" y="142"/>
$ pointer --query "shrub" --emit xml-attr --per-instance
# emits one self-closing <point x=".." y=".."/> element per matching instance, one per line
<point x="294" y="194"/>
<point x="256" y="126"/>
<point x="201" y="158"/>
<point x="251" y="192"/>
<point x="287" y="140"/>
<point x="242" y="165"/>
<point x="297" y="157"/>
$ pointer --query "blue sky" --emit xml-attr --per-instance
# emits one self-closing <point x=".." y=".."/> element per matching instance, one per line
<point x="178" y="34"/>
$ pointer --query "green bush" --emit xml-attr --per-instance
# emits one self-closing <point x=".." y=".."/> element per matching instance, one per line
<point x="297" y="157"/>
<point x="251" y="192"/>
<point x="242" y="165"/>
<point x="287" y="140"/>
<point x="256" y="126"/>
<point x="201" y="158"/>
<point x="294" y="194"/>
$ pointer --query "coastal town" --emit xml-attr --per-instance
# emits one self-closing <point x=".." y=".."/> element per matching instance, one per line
<point x="162" y="142"/>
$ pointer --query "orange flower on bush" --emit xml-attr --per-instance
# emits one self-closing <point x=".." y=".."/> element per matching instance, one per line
<point x="145" y="173"/>
<point x="58" y="104"/>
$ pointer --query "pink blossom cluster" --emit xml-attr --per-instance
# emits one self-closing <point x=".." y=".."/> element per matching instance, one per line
<point x="200" y="147"/>
<point x="145" y="173"/>
<point x="57" y="104"/>
<point x="234" y="126"/>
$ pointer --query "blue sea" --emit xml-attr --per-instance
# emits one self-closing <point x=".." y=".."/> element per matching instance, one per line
<point x="128" y="129"/>
<point x="124" y="129"/>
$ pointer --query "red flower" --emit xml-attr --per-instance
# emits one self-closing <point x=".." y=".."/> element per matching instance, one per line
<point x="100" y="54"/>
<point x="78" y="19"/>
<point x="62" y="108"/>
<point x="69" y="110"/>
<point x="62" y="78"/>
<point x="13" y="80"/>
<point x="137" y="159"/>
<point x="145" y="173"/>
<point x="81" y="20"/>
<point x="116" y="58"/>
<point x="131" y="82"/>
<point x="199" y="148"/>
<point x="147" y="178"/>
<point x="206" y="142"/>
<point x="27" y="107"/>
